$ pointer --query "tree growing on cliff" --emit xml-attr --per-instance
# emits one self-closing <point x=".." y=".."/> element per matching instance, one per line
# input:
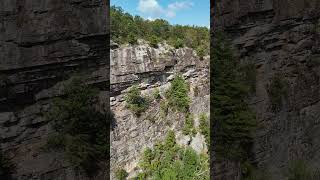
<point x="121" y="174"/>
<point x="177" y="94"/>
<point x="233" y="121"/>
<point x="81" y="128"/>
<point x="167" y="160"/>
<point x="135" y="101"/>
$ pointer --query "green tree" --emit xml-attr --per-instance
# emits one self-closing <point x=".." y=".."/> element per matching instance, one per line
<point x="121" y="174"/>
<point x="188" y="128"/>
<point x="81" y="128"/>
<point x="177" y="94"/>
<point x="154" y="41"/>
<point x="204" y="127"/>
<point x="233" y="122"/>
<point x="169" y="161"/>
<point x="135" y="101"/>
<point x="126" y="29"/>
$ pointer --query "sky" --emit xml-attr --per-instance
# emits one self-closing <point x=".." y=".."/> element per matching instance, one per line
<point x="183" y="12"/>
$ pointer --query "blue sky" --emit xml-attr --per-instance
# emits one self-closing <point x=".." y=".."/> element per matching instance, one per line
<point x="184" y="12"/>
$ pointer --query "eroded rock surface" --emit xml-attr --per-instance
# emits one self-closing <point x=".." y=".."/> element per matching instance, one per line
<point x="43" y="43"/>
<point x="282" y="39"/>
<point x="153" y="69"/>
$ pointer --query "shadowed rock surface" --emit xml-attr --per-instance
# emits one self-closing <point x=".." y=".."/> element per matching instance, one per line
<point x="282" y="39"/>
<point x="43" y="43"/>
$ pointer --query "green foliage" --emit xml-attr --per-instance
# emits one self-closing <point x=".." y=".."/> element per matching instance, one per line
<point x="300" y="170"/>
<point x="154" y="41"/>
<point x="126" y="28"/>
<point x="176" y="43"/>
<point x="7" y="168"/>
<point x="188" y="128"/>
<point x="233" y="122"/>
<point x="156" y="94"/>
<point x="81" y="129"/>
<point x="177" y="94"/>
<point x="132" y="39"/>
<point x="201" y="51"/>
<point x="204" y="127"/>
<point x="169" y="161"/>
<point x="277" y="90"/>
<point x="121" y="174"/>
<point x="164" y="108"/>
<point x="135" y="101"/>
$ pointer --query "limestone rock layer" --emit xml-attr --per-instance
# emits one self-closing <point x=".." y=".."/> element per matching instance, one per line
<point x="43" y="43"/>
<point x="281" y="37"/>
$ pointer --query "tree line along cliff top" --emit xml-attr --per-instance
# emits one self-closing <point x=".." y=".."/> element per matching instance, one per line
<point x="126" y="28"/>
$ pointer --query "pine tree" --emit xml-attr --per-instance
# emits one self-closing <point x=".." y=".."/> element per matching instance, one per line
<point x="233" y="122"/>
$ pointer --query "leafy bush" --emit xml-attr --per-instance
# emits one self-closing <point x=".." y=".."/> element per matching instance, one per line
<point x="164" y="108"/>
<point x="135" y="102"/>
<point x="132" y="39"/>
<point x="204" y="127"/>
<point x="233" y="121"/>
<point x="156" y="94"/>
<point x="177" y="94"/>
<point x="7" y="168"/>
<point x="176" y="43"/>
<point x="277" y="90"/>
<point x="121" y="174"/>
<point x="169" y="161"/>
<point x="81" y="129"/>
<point x="154" y="41"/>
<point x="200" y="52"/>
<point x="188" y="128"/>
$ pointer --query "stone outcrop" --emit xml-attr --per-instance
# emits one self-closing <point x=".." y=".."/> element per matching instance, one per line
<point x="151" y="69"/>
<point x="43" y="43"/>
<point x="282" y="39"/>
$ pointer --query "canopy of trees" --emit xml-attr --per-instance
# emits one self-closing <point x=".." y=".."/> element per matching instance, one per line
<point x="168" y="160"/>
<point x="126" y="28"/>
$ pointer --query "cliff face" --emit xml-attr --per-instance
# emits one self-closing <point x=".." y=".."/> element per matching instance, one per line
<point x="42" y="43"/>
<point x="153" y="69"/>
<point x="282" y="39"/>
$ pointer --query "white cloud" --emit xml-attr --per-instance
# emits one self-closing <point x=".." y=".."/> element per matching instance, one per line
<point x="150" y="19"/>
<point x="150" y="7"/>
<point x="153" y="9"/>
<point x="180" y="5"/>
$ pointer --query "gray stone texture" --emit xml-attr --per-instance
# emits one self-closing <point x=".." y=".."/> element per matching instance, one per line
<point x="43" y="43"/>
<point x="282" y="38"/>
<point x="152" y="69"/>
